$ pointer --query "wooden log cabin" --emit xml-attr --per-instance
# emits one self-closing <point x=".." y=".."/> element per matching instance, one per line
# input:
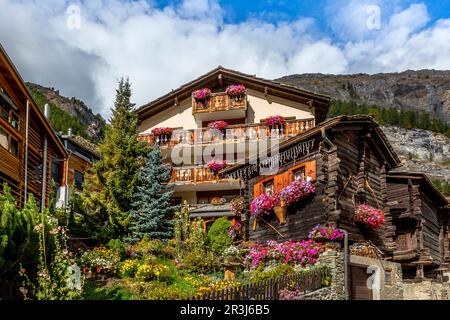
<point x="28" y="144"/>
<point x="69" y="175"/>
<point x="420" y="214"/>
<point x="347" y="158"/>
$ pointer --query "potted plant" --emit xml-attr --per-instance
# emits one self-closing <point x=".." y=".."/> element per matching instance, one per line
<point x="217" y="201"/>
<point x="162" y="134"/>
<point x="231" y="258"/>
<point x="262" y="205"/>
<point x="201" y="94"/>
<point x="369" y="216"/>
<point x="238" y="206"/>
<point x="236" y="91"/>
<point x="323" y="233"/>
<point x="216" y="165"/>
<point x="280" y="207"/>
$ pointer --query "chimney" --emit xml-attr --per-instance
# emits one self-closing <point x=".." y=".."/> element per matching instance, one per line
<point x="47" y="111"/>
<point x="69" y="133"/>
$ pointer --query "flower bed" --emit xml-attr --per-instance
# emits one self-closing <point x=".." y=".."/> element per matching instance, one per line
<point x="201" y="94"/>
<point x="289" y="252"/>
<point x="370" y="216"/>
<point x="218" y="125"/>
<point x="235" y="90"/>
<point x="99" y="260"/>
<point x="217" y="165"/>
<point x="275" y="120"/>
<point x="162" y="131"/>
<point x="321" y="232"/>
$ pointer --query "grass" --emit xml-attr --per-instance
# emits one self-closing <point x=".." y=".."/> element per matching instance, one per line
<point x="92" y="291"/>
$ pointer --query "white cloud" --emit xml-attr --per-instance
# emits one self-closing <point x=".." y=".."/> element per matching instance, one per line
<point x="160" y="49"/>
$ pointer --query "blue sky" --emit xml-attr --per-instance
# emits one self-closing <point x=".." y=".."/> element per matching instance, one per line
<point x="161" y="44"/>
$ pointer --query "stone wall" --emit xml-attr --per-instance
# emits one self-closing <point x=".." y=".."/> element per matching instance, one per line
<point x="426" y="290"/>
<point x="334" y="260"/>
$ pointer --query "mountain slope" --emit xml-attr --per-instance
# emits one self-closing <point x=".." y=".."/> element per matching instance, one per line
<point x="423" y="90"/>
<point x="68" y="113"/>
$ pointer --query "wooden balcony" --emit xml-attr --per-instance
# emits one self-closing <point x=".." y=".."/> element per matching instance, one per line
<point x="200" y="178"/>
<point x="235" y="133"/>
<point x="220" y="106"/>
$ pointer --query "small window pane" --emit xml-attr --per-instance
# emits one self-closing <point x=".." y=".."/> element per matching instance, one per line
<point x="268" y="186"/>
<point x="78" y="180"/>
<point x="299" y="174"/>
<point x="14" y="147"/>
<point x="3" y="139"/>
<point x="388" y="277"/>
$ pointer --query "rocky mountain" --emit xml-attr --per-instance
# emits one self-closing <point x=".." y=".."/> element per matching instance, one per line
<point x="421" y="150"/>
<point x="423" y="90"/>
<point x="79" y="115"/>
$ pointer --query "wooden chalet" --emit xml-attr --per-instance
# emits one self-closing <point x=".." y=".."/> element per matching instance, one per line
<point x="347" y="157"/>
<point x="69" y="174"/>
<point x="420" y="214"/>
<point x="28" y="144"/>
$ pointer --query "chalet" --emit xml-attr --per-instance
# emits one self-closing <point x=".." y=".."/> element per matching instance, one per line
<point x="69" y="174"/>
<point x="189" y="118"/>
<point x="420" y="214"/>
<point x="28" y="144"/>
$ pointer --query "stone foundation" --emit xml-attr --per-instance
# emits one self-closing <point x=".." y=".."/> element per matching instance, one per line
<point x="426" y="290"/>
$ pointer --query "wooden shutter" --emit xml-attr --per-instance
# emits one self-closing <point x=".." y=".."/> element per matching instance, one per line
<point x="257" y="189"/>
<point x="310" y="169"/>
<point x="282" y="180"/>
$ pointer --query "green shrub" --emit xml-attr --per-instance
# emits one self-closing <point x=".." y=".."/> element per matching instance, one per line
<point x="201" y="263"/>
<point x="218" y="239"/>
<point x="278" y="271"/>
<point x="116" y="245"/>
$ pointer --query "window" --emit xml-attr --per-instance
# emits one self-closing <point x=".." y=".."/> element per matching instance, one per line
<point x="268" y="186"/>
<point x="8" y="111"/>
<point x="388" y="277"/>
<point x="78" y="180"/>
<point x="299" y="174"/>
<point x="56" y="172"/>
<point x="8" y="142"/>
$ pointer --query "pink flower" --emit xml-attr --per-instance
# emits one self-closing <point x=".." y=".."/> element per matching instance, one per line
<point x="329" y="233"/>
<point x="201" y="93"/>
<point x="161" y="131"/>
<point x="275" y="120"/>
<point x="235" y="89"/>
<point x="217" y="165"/>
<point x="262" y="205"/>
<point x="369" y="215"/>
<point x="218" y="125"/>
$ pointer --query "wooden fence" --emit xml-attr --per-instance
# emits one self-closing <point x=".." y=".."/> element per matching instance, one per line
<point x="270" y="289"/>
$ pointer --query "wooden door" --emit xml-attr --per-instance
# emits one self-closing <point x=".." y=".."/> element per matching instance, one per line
<point x="358" y="287"/>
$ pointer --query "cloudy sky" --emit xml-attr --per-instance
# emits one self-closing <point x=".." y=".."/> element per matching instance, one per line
<point x="83" y="47"/>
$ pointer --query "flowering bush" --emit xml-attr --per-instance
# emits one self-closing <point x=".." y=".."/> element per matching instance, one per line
<point x="235" y="89"/>
<point x="201" y="94"/>
<point x="147" y="271"/>
<point x="162" y="131"/>
<point x="99" y="260"/>
<point x="237" y="206"/>
<point x="289" y="252"/>
<point x="232" y="254"/>
<point x="235" y="230"/>
<point x="275" y="120"/>
<point x="217" y="165"/>
<point x="329" y="233"/>
<point x="262" y="205"/>
<point x="369" y="215"/>
<point x="218" y="125"/>
<point x="129" y="268"/>
<point x="294" y="192"/>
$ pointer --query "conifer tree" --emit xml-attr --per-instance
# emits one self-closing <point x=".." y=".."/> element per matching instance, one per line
<point x="111" y="183"/>
<point x="151" y="213"/>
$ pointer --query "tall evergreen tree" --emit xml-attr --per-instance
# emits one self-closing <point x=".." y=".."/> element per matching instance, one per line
<point x="151" y="208"/>
<point x="111" y="182"/>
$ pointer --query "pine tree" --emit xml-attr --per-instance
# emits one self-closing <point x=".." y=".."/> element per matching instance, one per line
<point x="152" y="211"/>
<point x="111" y="183"/>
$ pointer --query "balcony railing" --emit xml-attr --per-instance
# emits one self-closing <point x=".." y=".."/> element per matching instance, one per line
<point x="240" y="132"/>
<point x="219" y="101"/>
<point x="198" y="174"/>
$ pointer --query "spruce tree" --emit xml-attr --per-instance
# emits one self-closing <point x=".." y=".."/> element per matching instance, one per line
<point x="111" y="183"/>
<point x="151" y="213"/>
